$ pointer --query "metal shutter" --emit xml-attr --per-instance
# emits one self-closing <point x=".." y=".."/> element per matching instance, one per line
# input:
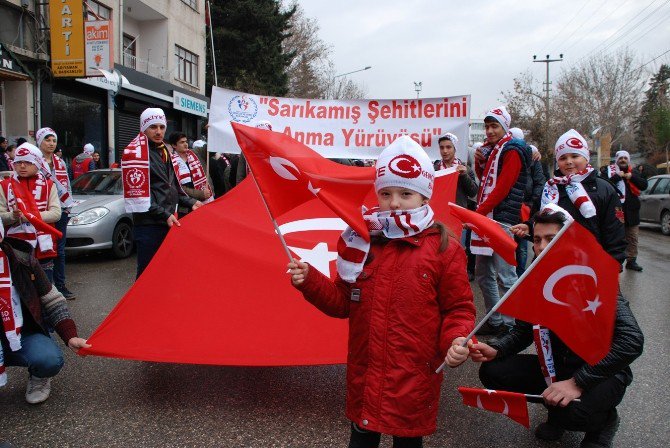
<point x="127" y="128"/>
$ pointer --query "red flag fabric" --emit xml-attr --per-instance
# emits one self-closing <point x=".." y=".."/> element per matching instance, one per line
<point x="489" y="231"/>
<point x="511" y="404"/>
<point x="444" y="192"/>
<point x="289" y="174"/>
<point x="571" y="288"/>
<point x="26" y="203"/>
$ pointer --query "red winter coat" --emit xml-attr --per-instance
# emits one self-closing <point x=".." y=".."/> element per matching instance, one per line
<point x="414" y="301"/>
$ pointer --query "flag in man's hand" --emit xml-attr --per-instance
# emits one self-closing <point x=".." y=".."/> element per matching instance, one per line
<point x="489" y="231"/>
<point x="511" y="404"/>
<point x="571" y="289"/>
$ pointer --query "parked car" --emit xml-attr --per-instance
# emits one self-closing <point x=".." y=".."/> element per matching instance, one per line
<point x="655" y="202"/>
<point x="99" y="221"/>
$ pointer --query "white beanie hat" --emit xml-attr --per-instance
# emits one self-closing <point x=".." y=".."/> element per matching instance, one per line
<point x="264" y="124"/>
<point x="501" y="115"/>
<point x="533" y="148"/>
<point x="405" y="164"/>
<point x="572" y="143"/>
<point x="516" y="133"/>
<point x="27" y="152"/>
<point x="152" y="115"/>
<point x="620" y="154"/>
<point x="451" y="137"/>
<point x="43" y="133"/>
<point x="88" y="148"/>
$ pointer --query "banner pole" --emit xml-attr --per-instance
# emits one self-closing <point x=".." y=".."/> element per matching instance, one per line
<point x="511" y="290"/>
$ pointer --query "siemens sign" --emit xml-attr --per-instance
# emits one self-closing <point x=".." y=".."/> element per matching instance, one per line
<point x="189" y="104"/>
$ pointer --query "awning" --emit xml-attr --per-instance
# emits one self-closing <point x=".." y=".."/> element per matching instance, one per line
<point x="11" y="68"/>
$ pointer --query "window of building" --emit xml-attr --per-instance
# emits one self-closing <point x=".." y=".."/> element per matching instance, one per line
<point x="129" y="51"/>
<point x="192" y="3"/>
<point x="94" y="9"/>
<point x="187" y="65"/>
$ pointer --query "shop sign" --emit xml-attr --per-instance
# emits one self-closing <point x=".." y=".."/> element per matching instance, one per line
<point x="66" y="19"/>
<point x="10" y="66"/>
<point x="98" y="42"/>
<point x="189" y="104"/>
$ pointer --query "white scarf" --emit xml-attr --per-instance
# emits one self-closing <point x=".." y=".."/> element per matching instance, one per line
<point x="454" y="163"/>
<point x="353" y="250"/>
<point x="10" y="310"/>
<point x="620" y="186"/>
<point x="575" y="190"/>
<point x="545" y="354"/>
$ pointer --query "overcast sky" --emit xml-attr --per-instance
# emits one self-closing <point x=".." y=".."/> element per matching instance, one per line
<point x="477" y="47"/>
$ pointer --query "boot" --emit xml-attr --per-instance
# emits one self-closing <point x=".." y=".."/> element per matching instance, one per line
<point x="604" y="437"/>
<point x="631" y="264"/>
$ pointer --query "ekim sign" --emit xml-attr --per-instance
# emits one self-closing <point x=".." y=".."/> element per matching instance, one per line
<point x="66" y="18"/>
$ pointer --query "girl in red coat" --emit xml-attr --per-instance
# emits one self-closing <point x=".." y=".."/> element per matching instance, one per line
<point x="408" y="301"/>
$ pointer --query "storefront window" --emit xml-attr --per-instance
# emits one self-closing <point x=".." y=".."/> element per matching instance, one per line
<point x="78" y="122"/>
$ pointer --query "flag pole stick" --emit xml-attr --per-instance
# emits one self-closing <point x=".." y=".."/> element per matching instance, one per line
<point x="272" y="218"/>
<point x="511" y="290"/>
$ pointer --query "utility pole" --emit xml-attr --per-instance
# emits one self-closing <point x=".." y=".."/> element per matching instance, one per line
<point x="547" y="85"/>
<point x="417" y="87"/>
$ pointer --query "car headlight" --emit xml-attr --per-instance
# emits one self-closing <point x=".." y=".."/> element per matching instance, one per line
<point x="89" y="216"/>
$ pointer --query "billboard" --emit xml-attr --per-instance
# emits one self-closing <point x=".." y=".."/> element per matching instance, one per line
<point x="66" y="19"/>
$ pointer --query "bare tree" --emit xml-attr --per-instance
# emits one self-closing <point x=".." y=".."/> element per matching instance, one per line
<point x="527" y="106"/>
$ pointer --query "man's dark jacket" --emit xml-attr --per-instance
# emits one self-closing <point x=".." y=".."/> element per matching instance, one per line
<point x="631" y="206"/>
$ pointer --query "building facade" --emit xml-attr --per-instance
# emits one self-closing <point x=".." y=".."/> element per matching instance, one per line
<point x="477" y="132"/>
<point x="159" y="61"/>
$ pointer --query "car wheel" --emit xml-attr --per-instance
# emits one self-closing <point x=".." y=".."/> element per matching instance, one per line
<point x="122" y="240"/>
<point x="665" y="222"/>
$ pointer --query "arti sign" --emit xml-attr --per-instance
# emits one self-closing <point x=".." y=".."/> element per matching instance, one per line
<point x="98" y="37"/>
<point x="66" y="19"/>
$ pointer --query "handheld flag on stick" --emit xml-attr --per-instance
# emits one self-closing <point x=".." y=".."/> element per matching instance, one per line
<point x="510" y="404"/>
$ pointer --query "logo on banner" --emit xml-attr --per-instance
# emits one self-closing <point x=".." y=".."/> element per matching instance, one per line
<point x="242" y="108"/>
<point x="135" y="178"/>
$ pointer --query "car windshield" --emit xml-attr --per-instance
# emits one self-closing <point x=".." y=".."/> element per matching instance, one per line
<point x="98" y="182"/>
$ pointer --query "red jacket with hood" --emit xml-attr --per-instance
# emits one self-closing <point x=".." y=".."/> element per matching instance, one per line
<point x="414" y="301"/>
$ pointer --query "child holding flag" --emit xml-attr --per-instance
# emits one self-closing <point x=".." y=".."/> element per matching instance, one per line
<point x="408" y="300"/>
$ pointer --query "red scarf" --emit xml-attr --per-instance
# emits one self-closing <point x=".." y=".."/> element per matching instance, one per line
<point x="545" y="355"/>
<point x="62" y="181"/>
<point x="135" y="170"/>
<point x="454" y="163"/>
<point x="10" y="310"/>
<point x="190" y="171"/>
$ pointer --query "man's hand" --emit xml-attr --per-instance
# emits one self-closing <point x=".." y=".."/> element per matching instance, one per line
<point x="173" y="221"/>
<point x="561" y="393"/>
<point x="457" y="354"/>
<point x="461" y="169"/>
<point x="479" y="155"/>
<point x="17" y="214"/>
<point x="76" y="343"/>
<point x="536" y="156"/>
<point x="208" y="192"/>
<point x="482" y="352"/>
<point x="519" y="230"/>
<point x="298" y="271"/>
<point x="197" y="205"/>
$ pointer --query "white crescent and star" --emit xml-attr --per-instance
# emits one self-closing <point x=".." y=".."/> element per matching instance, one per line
<point x="492" y="392"/>
<point x="572" y="269"/>
<point x="415" y="167"/>
<point x="279" y="165"/>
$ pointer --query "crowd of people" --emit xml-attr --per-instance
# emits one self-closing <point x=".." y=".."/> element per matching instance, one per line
<point x="407" y="292"/>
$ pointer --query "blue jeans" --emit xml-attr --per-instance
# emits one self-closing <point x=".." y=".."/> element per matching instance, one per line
<point x="495" y="277"/>
<point x="38" y="352"/>
<point x="521" y="256"/>
<point x="59" y="262"/>
<point x="148" y="239"/>
<point x="48" y="268"/>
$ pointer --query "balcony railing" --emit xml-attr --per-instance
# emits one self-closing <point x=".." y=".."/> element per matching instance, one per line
<point x="145" y="66"/>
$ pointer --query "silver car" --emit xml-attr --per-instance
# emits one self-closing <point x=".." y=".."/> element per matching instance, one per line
<point x="99" y="221"/>
<point x="655" y="202"/>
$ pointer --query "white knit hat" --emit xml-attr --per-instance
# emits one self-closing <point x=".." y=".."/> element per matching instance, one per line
<point x="152" y="115"/>
<point x="43" y="133"/>
<point x="501" y="115"/>
<point x="451" y="137"/>
<point x="572" y="143"/>
<point x="620" y="154"/>
<point x="516" y="133"/>
<point x="405" y="164"/>
<point x="27" y="152"/>
<point x="88" y="148"/>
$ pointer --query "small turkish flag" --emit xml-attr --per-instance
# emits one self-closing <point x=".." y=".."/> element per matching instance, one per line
<point x="511" y="404"/>
<point x="289" y="173"/>
<point x="489" y="231"/>
<point x="571" y="288"/>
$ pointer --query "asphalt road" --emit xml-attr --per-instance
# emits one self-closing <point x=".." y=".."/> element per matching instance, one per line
<point x="99" y="402"/>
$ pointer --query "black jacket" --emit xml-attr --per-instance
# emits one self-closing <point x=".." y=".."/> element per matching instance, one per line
<point x="627" y="343"/>
<point x="165" y="191"/>
<point x="534" y="184"/>
<point x="631" y="206"/>
<point x="607" y="225"/>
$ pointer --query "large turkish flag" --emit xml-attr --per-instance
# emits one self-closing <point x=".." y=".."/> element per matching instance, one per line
<point x="572" y="290"/>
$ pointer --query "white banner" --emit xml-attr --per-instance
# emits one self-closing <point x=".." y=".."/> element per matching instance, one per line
<point x="353" y="129"/>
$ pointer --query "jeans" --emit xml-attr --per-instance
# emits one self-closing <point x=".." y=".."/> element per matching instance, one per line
<point x="522" y="373"/>
<point x="148" y="238"/>
<point x="48" y="268"/>
<point x="59" y="262"/>
<point x="38" y="352"/>
<point x="521" y="256"/>
<point x="495" y="277"/>
<point x="361" y="438"/>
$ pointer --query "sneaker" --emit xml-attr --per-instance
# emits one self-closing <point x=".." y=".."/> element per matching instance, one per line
<point x="604" y="437"/>
<point x="69" y="295"/>
<point x="38" y="389"/>
<point x="489" y="330"/>
<point x="548" y="432"/>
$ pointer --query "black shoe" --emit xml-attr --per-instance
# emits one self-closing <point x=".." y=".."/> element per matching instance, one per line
<point x="548" y="432"/>
<point x="604" y="437"/>
<point x="489" y="330"/>
<point x="632" y="265"/>
<point x="471" y="276"/>
<point x="69" y="295"/>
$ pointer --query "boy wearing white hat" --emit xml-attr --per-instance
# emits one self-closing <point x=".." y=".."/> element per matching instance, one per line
<point x="84" y="162"/>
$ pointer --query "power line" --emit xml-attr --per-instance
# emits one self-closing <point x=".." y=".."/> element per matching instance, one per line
<point x="647" y="63"/>
<point x="588" y="17"/>
<point x="623" y="36"/>
<point x="566" y="24"/>
<point x="597" y="25"/>
<point x="653" y="27"/>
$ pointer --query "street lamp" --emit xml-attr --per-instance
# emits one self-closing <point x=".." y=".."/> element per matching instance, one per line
<point x="355" y="71"/>
<point x="417" y="87"/>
